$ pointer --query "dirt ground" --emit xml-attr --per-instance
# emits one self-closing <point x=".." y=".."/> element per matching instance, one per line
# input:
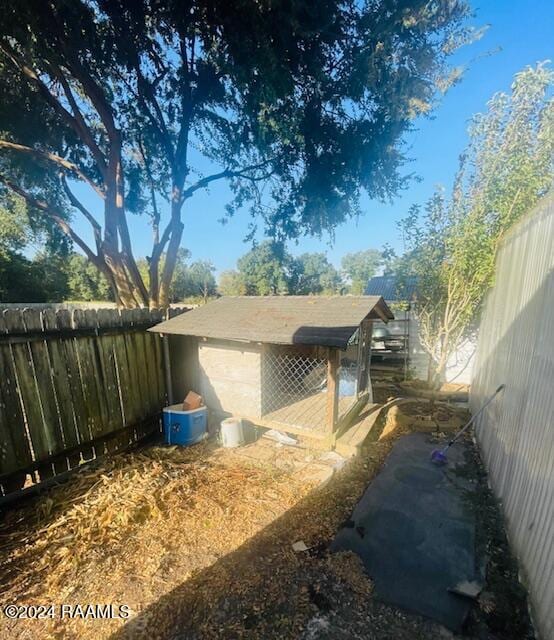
<point x="197" y="542"/>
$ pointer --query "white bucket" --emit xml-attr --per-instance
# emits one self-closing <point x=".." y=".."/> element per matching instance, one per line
<point x="231" y="432"/>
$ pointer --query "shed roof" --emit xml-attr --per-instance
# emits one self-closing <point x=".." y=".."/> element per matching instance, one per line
<point x="315" y="320"/>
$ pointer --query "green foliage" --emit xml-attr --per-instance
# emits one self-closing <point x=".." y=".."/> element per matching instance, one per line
<point x="265" y="270"/>
<point x="53" y="273"/>
<point x="42" y="279"/>
<point x="452" y="244"/>
<point x="359" y="267"/>
<point x="312" y="273"/>
<point x="269" y="269"/>
<point x="15" y="231"/>
<point x="84" y="280"/>
<point x="299" y="106"/>
<point x="19" y="282"/>
<point x="194" y="281"/>
<point x="231" y="283"/>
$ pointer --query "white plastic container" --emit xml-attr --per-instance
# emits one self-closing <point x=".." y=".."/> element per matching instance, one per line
<point x="231" y="433"/>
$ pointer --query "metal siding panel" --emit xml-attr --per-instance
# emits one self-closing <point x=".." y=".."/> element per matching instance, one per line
<point x="516" y="435"/>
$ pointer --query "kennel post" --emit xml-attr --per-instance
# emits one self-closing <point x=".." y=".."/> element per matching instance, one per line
<point x="332" y="388"/>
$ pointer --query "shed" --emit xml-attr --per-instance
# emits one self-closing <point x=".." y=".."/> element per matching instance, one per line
<point x="294" y="363"/>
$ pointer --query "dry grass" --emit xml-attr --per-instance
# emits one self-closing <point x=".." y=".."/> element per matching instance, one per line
<point x="198" y="543"/>
<point x="127" y="532"/>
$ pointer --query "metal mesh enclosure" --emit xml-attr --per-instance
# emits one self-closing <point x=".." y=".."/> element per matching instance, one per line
<point x="294" y="389"/>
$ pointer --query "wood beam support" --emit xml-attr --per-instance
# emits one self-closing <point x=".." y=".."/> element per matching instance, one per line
<point x="333" y="358"/>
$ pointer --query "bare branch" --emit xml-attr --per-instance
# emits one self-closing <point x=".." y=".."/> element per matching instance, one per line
<point x="159" y="246"/>
<point x="155" y="210"/>
<point x="227" y="173"/>
<point x="96" y="96"/>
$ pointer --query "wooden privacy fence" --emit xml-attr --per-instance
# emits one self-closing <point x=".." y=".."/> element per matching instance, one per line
<point x="75" y="384"/>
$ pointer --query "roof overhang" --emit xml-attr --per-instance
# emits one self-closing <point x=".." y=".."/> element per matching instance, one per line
<point x="308" y="320"/>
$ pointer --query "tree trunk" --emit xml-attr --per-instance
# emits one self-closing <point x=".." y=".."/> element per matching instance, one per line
<point x="130" y="290"/>
<point x="172" y="248"/>
<point x="123" y="288"/>
<point x="435" y="374"/>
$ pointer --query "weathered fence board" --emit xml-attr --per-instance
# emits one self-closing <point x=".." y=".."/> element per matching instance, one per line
<point x="15" y="450"/>
<point x="75" y="384"/>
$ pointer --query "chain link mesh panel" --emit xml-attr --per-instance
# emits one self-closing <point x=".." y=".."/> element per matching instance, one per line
<point x="294" y="390"/>
<point x="294" y="387"/>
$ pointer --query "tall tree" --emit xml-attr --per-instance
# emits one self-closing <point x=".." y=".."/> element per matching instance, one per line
<point x="195" y="280"/>
<point x="451" y="245"/>
<point x="41" y="279"/>
<point x="231" y="283"/>
<point x="312" y="273"/>
<point x="359" y="267"/>
<point x="132" y="97"/>
<point x="265" y="270"/>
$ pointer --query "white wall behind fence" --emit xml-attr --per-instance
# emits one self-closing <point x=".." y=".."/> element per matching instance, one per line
<point x="516" y="433"/>
<point x="460" y="363"/>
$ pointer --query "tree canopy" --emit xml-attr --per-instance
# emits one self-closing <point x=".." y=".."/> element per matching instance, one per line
<point x="452" y="244"/>
<point x="265" y="269"/>
<point x="359" y="267"/>
<point x="231" y="283"/>
<point x="269" y="269"/>
<point x="312" y="273"/>
<point x="298" y="106"/>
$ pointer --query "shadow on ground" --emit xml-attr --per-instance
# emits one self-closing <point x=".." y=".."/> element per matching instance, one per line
<point x="266" y="590"/>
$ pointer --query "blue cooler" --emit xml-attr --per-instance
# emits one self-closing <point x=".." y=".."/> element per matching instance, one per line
<point x="184" y="427"/>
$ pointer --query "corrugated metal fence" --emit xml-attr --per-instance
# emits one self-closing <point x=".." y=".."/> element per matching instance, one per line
<point x="74" y="384"/>
<point x="516" y="435"/>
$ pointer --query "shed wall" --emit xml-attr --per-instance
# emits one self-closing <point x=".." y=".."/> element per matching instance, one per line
<point x="516" y="433"/>
<point x="230" y="377"/>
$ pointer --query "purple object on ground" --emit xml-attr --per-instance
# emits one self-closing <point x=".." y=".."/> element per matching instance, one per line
<point x="439" y="457"/>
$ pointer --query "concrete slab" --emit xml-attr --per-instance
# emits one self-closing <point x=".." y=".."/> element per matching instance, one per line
<point x="415" y="533"/>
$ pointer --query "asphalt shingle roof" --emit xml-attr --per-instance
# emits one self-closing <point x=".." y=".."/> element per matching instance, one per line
<point x="315" y="320"/>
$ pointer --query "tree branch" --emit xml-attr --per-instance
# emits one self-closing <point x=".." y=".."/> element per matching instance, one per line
<point x="158" y="248"/>
<point x="72" y="121"/>
<point x="155" y="210"/>
<point x="52" y="157"/>
<point x="227" y="173"/>
<point x="96" y="228"/>
<point x="95" y="95"/>
<point x="54" y="215"/>
<point x="146" y="95"/>
<point x="85" y="131"/>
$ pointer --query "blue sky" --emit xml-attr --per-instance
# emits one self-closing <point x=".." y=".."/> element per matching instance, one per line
<point x="524" y="33"/>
